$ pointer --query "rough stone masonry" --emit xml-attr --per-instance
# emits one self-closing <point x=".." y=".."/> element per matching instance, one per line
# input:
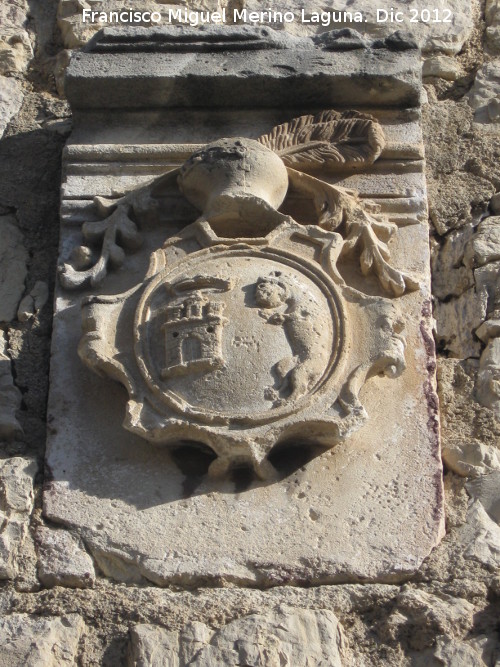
<point x="77" y="588"/>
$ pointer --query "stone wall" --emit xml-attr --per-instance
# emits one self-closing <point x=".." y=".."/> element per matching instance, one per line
<point x="58" y="605"/>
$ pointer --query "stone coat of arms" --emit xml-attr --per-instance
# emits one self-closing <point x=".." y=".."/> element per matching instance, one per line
<point x="254" y="327"/>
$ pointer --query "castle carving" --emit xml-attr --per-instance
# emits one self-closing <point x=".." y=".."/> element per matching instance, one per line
<point x="193" y="335"/>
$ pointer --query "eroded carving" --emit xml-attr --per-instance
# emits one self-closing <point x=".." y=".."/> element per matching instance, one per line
<point x="331" y="140"/>
<point x="281" y="303"/>
<point x="193" y="326"/>
<point x="244" y="332"/>
<point x="243" y="181"/>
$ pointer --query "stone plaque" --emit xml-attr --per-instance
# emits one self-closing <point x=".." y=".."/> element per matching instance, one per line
<point x="243" y="367"/>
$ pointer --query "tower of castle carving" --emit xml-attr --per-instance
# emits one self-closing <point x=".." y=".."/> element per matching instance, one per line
<point x="193" y="335"/>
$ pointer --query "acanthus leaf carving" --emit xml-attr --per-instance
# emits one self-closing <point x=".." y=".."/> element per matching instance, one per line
<point x="113" y="234"/>
<point x="365" y="229"/>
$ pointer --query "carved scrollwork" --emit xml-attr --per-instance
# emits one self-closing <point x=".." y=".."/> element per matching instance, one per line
<point x="330" y="140"/>
<point x="112" y="234"/>
<point x="365" y="229"/>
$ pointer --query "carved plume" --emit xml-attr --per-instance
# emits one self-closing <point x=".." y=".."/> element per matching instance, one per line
<point x="332" y="140"/>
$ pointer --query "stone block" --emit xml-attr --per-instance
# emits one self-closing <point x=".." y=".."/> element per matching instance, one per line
<point x="75" y="32"/>
<point x="485" y="246"/>
<point x="455" y="653"/>
<point x="486" y="279"/>
<point x="16" y="503"/>
<point x="39" y="641"/>
<point x="443" y="67"/>
<point x="62" y="561"/>
<point x="141" y="68"/>
<point x="450" y="275"/>
<point x="456" y="321"/>
<point x="484" y="94"/>
<point x="465" y="424"/>
<point x="488" y="378"/>
<point x="15" y="44"/>
<point x="471" y="458"/>
<point x="422" y="616"/>
<point x="33" y="302"/>
<point x="13" y="16"/>
<point x="495" y="204"/>
<point x="445" y="37"/>
<point x="253" y="481"/>
<point x="492" y="15"/>
<point x="480" y="536"/>
<point x="11" y="98"/>
<point x="13" y="270"/>
<point x="9" y="394"/>
<point x="13" y="56"/>
<point x="286" y="636"/>
<point x="458" y="201"/>
<point x="447" y="34"/>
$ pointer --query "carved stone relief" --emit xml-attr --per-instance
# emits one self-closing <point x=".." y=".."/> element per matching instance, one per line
<point x="257" y="282"/>
<point x="242" y="338"/>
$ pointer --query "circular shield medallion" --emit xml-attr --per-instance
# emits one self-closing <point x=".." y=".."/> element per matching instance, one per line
<point x="238" y="335"/>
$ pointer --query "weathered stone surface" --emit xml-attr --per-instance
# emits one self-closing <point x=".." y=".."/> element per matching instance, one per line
<point x="423" y="616"/>
<point x="492" y="15"/>
<point x="443" y="67"/>
<point x="471" y="458"/>
<point x="16" y="503"/>
<point x="62" y="561"/>
<point x="13" y="15"/>
<point x="488" y="378"/>
<point x="470" y="432"/>
<point x="245" y="404"/>
<point x="445" y="32"/>
<point x="458" y="201"/>
<point x="450" y="275"/>
<point x="13" y="259"/>
<point x="61" y="63"/>
<point x="76" y="32"/>
<point x="493" y="38"/>
<point x="456" y="653"/>
<point x="282" y="70"/>
<point x="11" y="98"/>
<point x="12" y="56"/>
<point x="486" y="490"/>
<point x="486" y="646"/>
<point x="484" y="94"/>
<point x="39" y="642"/>
<point x="456" y="321"/>
<point x="33" y="302"/>
<point x="15" y="44"/>
<point x="431" y="36"/>
<point x="487" y="283"/>
<point x="286" y="636"/>
<point x="480" y="536"/>
<point x="10" y="396"/>
<point x="155" y="646"/>
<point x="485" y="246"/>
<point x="457" y="152"/>
<point x="495" y="204"/>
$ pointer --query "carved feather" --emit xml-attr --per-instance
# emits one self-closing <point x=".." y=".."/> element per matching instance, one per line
<point x="332" y="140"/>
